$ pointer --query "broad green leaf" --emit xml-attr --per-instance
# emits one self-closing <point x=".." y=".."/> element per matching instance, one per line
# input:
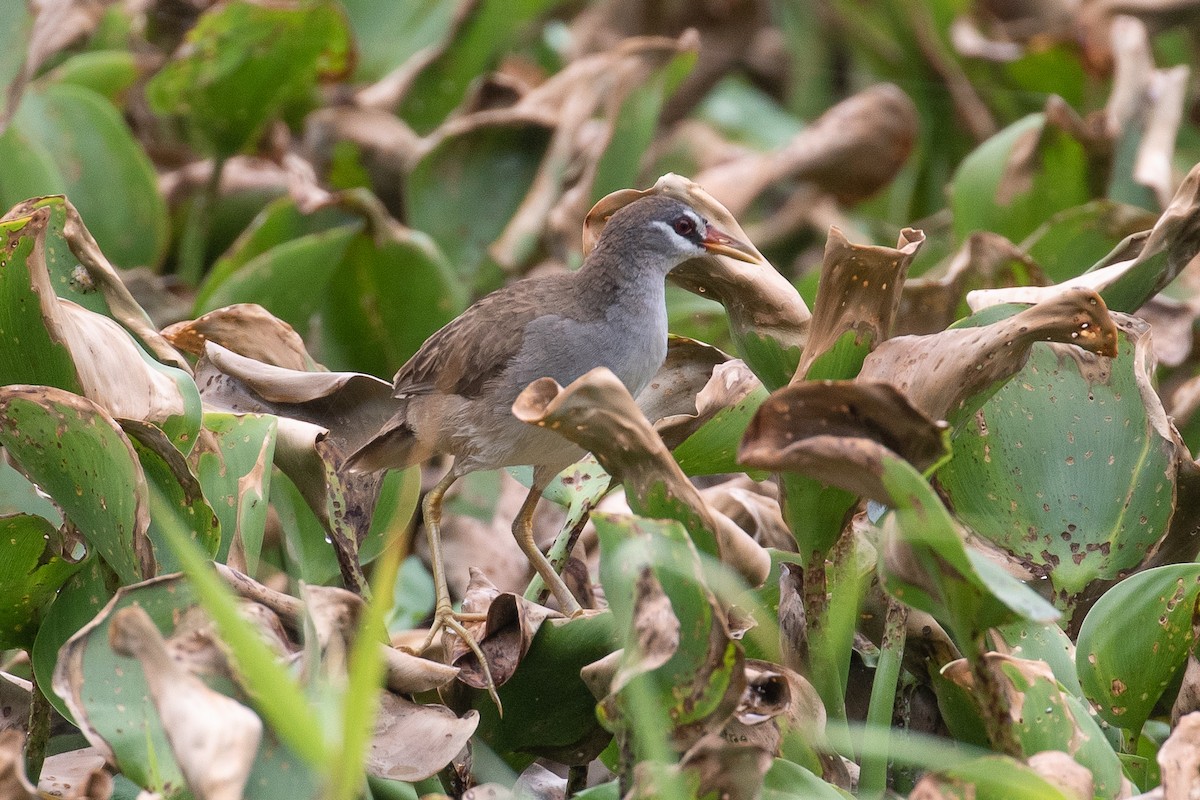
<point x="1134" y="639"/>
<point x="548" y="710"/>
<point x="242" y="62"/>
<point x="235" y="472"/>
<point x="1069" y="467"/>
<point x="387" y="34"/>
<point x="712" y="450"/>
<point x="37" y="561"/>
<point x="79" y="600"/>
<point x="1044" y="641"/>
<point x="490" y="28"/>
<point x="90" y="471"/>
<point x="175" y="498"/>
<point x="465" y="190"/>
<point x="108" y="73"/>
<point x="98" y="683"/>
<point x="788" y="781"/>
<point x="384" y="300"/>
<point x="1018" y="178"/>
<point x="1068" y="243"/>
<point x="286" y="280"/>
<point x="67" y="139"/>
<point x="993" y="778"/>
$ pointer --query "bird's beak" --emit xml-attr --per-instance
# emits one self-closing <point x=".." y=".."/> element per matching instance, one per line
<point x="720" y="243"/>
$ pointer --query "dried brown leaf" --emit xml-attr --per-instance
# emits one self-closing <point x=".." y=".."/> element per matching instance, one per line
<point x="1065" y="773"/>
<point x="851" y="151"/>
<point x="758" y="300"/>
<point x="504" y="636"/>
<point x="248" y="330"/>
<point x="726" y="770"/>
<point x="754" y="508"/>
<point x="15" y="695"/>
<point x="414" y="741"/>
<point x="655" y="631"/>
<point x="213" y="738"/>
<point x="597" y="413"/>
<point x="77" y="775"/>
<point x="1179" y="759"/>
<point x="941" y="372"/>
<point x="840" y="432"/>
<point x="860" y="292"/>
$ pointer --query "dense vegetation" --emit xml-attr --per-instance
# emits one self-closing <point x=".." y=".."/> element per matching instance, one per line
<point x="935" y="538"/>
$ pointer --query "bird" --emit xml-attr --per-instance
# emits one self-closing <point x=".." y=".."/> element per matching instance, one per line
<point x="455" y="394"/>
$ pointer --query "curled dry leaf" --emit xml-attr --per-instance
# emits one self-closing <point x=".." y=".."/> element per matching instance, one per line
<point x="672" y="399"/>
<point x="725" y="769"/>
<point x="415" y="741"/>
<point x="851" y="151"/>
<point x="335" y="613"/>
<point x="597" y="413"/>
<point x="757" y="513"/>
<point x="1065" y="773"/>
<point x="504" y="636"/>
<point x="1179" y="759"/>
<point x="860" y="293"/>
<point x="214" y="738"/>
<point x="384" y="143"/>
<point x="941" y="372"/>
<point x="776" y="701"/>
<point x="350" y="405"/>
<point x="247" y="329"/>
<point x="759" y="301"/>
<point x="840" y="432"/>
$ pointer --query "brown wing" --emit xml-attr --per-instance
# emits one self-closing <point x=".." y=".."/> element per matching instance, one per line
<point x="477" y="345"/>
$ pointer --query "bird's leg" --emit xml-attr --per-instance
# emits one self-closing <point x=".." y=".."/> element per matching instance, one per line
<point x="444" y="616"/>
<point x="523" y="531"/>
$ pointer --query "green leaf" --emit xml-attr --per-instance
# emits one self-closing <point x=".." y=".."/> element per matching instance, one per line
<point x="387" y="34"/>
<point x="242" y="62"/>
<point x="108" y="73"/>
<point x="37" y="562"/>
<point x="79" y="456"/>
<point x="67" y="139"/>
<point x="712" y="449"/>
<point x="490" y="29"/>
<point x="788" y="781"/>
<point x="1134" y="639"/>
<point x="465" y="190"/>
<point x="1002" y="188"/>
<point x="101" y="682"/>
<point x="1066" y="467"/>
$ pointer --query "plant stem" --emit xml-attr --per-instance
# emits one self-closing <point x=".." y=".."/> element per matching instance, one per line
<point x="39" y="732"/>
<point x="872" y="780"/>
<point x="193" y="244"/>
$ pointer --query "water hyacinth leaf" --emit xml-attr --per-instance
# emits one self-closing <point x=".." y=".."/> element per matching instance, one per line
<point x="50" y="341"/>
<point x="1045" y="642"/>
<point x="786" y="780"/>
<point x="233" y="463"/>
<point x="597" y="412"/>
<point x="78" y="601"/>
<point x="387" y="35"/>
<point x="767" y="317"/>
<point x="279" y="222"/>
<point x="39" y="559"/>
<point x="1044" y="717"/>
<point x="548" y="709"/>
<point x="483" y="32"/>
<point x="91" y="472"/>
<point x="470" y="183"/>
<point x="948" y="375"/>
<point x="176" y="498"/>
<point x="651" y="573"/>
<point x="1134" y="639"/>
<point x="1037" y="469"/>
<point x="241" y="62"/>
<point x="388" y="294"/>
<point x="82" y="273"/>
<point x="989" y="778"/>
<point x="95" y="681"/>
<point x="282" y="278"/>
<point x="843" y="434"/>
<point x="1071" y="241"/>
<point x="1019" y="177"/>
<point x="69" y="140"/>
<point x="247" y="329"/>
<point x="856" y="305"/>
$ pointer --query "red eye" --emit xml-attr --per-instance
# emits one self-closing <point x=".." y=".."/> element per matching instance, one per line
<point x="684" y="226"/>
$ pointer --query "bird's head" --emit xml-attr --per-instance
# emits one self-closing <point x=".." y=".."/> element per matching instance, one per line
<point x="671" y="232"/>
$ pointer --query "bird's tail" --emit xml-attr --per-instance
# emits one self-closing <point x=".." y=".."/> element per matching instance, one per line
<point x="394" y="447"/>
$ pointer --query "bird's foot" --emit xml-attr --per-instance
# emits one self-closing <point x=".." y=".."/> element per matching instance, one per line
<point x="445" y="618"/>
